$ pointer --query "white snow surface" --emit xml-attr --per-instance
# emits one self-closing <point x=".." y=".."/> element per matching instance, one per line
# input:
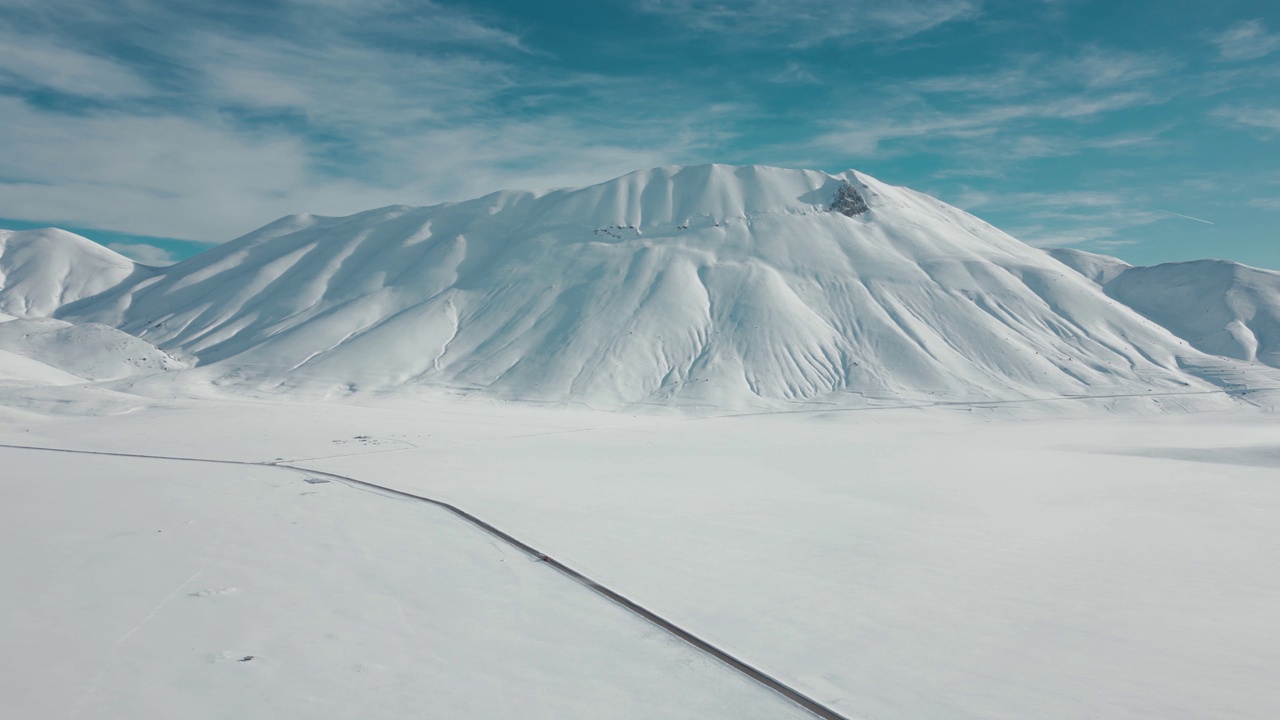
<point x="710" y="285"/>
<point x="1220" y="307"/>
<point x="43" y="270"/>
<point x="895" y="564"/>
<point x="21" y="371"/>
<point x="89" y="350"/>
<point x="154" y="590"/>
<point x="1101" y="269"/>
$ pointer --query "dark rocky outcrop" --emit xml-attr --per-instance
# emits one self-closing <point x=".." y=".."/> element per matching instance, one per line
<point x="848" y="202"/>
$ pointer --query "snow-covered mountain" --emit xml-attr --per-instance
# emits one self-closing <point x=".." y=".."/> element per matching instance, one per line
<point x="42" y="270"/>
<point x="703" y="284"/>
<point x="1222" y="308"/>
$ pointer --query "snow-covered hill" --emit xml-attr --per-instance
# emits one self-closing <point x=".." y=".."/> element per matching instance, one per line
<point x="1222" y="308"/>
<point x="710" y="284"/>
<point x="42" y="270"/>
<point x="20" y="371"/>
<point x="88" y="351"/>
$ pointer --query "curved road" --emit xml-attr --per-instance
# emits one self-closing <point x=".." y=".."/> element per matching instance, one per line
<point x="750" y="671"/>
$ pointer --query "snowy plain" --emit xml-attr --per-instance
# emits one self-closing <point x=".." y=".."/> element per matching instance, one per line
<point x="946" y="563"/>
<point x="144" y="589"/>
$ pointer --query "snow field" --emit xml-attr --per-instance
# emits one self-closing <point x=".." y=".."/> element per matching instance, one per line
<point x="894" y="564"/>
<point x="147" y="589"/>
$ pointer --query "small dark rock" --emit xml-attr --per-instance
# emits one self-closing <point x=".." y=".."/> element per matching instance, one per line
<point x="848" y="202"/>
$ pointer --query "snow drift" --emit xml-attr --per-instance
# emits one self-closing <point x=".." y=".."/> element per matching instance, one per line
<point x="701" y="284"/>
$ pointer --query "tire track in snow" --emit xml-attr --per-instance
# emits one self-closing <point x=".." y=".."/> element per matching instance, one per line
<point x="733" y="662"/>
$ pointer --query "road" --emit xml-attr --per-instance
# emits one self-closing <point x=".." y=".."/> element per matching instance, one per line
<point x="741" y="666"/>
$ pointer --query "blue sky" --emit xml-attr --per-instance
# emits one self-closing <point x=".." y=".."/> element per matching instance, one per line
<point x="157" y="126"/>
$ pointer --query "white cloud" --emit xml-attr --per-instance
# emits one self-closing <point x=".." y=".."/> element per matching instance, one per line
<point x="1031" y="107"/>
<point x="867" y="137"/>
<point x="335" y="106"/>
<point x="144" y="253"/>
<point x="340" y="85"/>
<point x="1266" y="203"/>
<point x="1105" y="69"/>
<point x="1263" y="118"/>
<point x="1099" y="219"/>
<point x="159" y="176"/>
<point x="343" y="106"/>
<point x="794" y="73"/>
<point x="424" y="21"/>
<point x="810" y="22"/>
<point x="1091" y="69"/>
<point x="200" y="180"/>
<point x="1246" y="41"/>
<point x="42" y="64"/>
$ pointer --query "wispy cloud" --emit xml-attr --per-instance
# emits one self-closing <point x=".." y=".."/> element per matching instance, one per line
<point x="803" y="23"/>
<point x="331" y="106"/>
<point x="1025" y="102"/>
<point x="174" y="177"/>
<point x="1248" y="40"/>
<point x="795" y="73"/>
<point x="144" y="253"/>
<point x="1093" y="68"/>
<point x="202" y="120"/>
<point x="36" y="63"/>
<point x="979" y="122"/>
<point x="1091" y="218"/>
<point x="1250" y="116"/>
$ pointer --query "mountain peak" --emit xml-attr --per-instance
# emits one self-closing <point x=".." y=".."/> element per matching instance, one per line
<point x="708" y="284"/>
<point x="712" y="284"/>
<point x="42" y="270"/>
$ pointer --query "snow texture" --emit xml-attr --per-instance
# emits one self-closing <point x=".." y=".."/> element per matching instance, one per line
<point x="897" y="564"/>
<point x="710" y="285"/>
<point x="1219" y="307"/>
<point x="149" y="590"/>
<point x="42" y="270"/>
<point x="89" y="351"/>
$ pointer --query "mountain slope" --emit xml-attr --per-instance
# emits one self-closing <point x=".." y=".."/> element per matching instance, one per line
<point x="1219" y="307"/>
<point x="704" y="284"/>
<point x="89" y="350"/>
<point x="21" y="371"/>
<point x="42" y="270"/>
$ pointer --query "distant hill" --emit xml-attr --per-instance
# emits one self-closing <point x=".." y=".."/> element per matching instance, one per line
<point x="42" y="270"/>
<point x="1219" y="307"/>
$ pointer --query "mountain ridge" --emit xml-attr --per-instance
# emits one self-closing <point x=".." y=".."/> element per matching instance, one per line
<point x="1218" y="306"/>
<point x="711" y="284"/>
<point x="42" y="270"/>
<point x="707" y="283"/>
